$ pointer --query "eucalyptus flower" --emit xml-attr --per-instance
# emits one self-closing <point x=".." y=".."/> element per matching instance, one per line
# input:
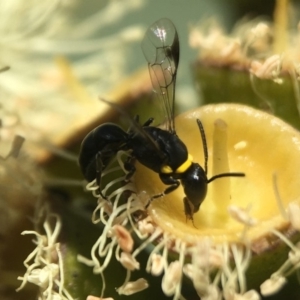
<point x="240" y="219"/>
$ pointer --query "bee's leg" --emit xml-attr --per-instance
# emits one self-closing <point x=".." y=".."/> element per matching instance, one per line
<point x="129" y="167"/>
<point x="99" y="168"/>
<point x="168" y="180"/>
<point x="148" y="122"/>
<point x="102" y="160"/>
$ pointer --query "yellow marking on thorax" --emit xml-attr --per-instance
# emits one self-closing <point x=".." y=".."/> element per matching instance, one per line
<point x="181" y="169"/>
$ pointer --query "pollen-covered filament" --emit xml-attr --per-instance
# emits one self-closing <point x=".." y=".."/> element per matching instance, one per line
<point x="239" y="139"/>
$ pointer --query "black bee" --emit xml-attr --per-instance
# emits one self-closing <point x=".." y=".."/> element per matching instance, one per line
<point x="159" y="150"/>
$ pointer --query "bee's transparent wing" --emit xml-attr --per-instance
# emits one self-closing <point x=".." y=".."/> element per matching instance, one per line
<point x="161" y="49"/>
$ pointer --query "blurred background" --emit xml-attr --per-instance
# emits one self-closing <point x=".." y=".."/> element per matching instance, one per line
<point x="62" y="56"/>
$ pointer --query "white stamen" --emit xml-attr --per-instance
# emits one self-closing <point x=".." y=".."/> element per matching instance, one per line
<point x="157" y="264"/>
<point x="43" y="269"/>
<point x="294" y="256"/>
<point x="188" y="270"/>
<point x="294" y="215"/>
<point x="134" y="204"/>
<point x="268" y="69"/>
<point x="230" y="49"/>
<point x="145" y="227"/>
<point x="278" y="198"/>
<point x="124" y="238"/>
<point x="260" y="29"/>
<point x="171" y="278"/>
<point x="200" y="278"/>
<point x="104" y="208"/>
<point x="129" y="262"/>
<point x="272" y="285"/>
<point x="97" y="298"/>
<point x="155" y="250"/>
<point x="212" y="293"/>
<point x="241" y="215"/>
<point x="216" y="258"/>
<point x="241" y="259"/>
<point x="41" y="277"/>
<point x="200" y="256"/>
<point x="133" y="287"/>
<point x="250" y="295"/>
<point x="153" y="237"/>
